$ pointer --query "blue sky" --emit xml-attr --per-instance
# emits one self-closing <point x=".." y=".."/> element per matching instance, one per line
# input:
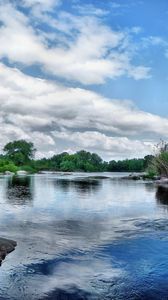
<point x="84" y="75"/>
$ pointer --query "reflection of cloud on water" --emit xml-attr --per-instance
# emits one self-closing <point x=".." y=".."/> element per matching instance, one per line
<point x="74" y="198"/>
<point x="62" y="238"/>
<point x="56" y="238"/>
<point x="70" y="262"/>
<point x="70" y="274"/>
<point x="91" y="275"/>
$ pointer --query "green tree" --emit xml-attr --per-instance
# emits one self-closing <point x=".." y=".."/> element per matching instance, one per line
<point x="67" y="166"/>
<point x="20" y="151"/>
<point x="6" y="165"/>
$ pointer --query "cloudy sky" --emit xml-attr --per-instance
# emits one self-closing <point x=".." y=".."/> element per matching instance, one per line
<point x="84" y="74"/>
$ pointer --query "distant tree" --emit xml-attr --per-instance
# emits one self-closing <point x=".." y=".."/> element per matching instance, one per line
<point x="87" y="161"/>
<point x="56" y="160"/>
<point x="20" y="155"/>
<point x="112" y="166"/>
<point x="20" y="151"/>
<point x="127" y="165"/>
<point x="67" y="166"/>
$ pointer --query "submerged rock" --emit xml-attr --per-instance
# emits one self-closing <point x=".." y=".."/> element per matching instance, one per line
<point x="98" y="177"/>
<point x="9" y="173"/>
<point x="6" y="246"/>
<point x="132" y="177"/>
<point x="21" y="173"/>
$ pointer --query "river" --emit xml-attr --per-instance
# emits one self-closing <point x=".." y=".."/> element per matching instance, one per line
<point x="81" y="236"/>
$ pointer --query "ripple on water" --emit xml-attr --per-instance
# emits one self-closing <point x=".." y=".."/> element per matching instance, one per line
<point x="84" y="239"/>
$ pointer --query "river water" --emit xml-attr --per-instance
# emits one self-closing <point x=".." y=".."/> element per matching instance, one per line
<point x="81" y="236"/>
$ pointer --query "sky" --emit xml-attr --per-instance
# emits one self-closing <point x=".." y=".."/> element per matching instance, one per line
<point x="84" y="74"/>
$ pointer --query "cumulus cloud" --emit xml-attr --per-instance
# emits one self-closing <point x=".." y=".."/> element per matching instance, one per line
<point x="40" y="5"/>
<point x="107" y="146"/>
<point x="76" y="48"/>
<point x="56" y="117"/>
<point x="83" y="49"/>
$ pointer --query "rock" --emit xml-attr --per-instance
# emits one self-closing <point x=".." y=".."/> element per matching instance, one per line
<point x="132" y="177"/>
<point x="21" y="173"/>
<point x="98" y="177"/>
<point x="66" y="173"/>
<point x="162" y="181"/>
<point x="156" y="178"/>
<point x="136" y="177"/>
<point x="6" y="246"/>
<point x="9" y="173"/>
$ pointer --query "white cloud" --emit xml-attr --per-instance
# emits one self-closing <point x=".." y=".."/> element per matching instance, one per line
<point x="90" y="9"/>
<point x="80" y="49"/>
<point x="139" y="72"/>
<point x="55" y="117"/>
<point x="106" y="145"/>
<point x="154" y="41"/>
<point x="40" y="5"/>
<point x="83" y="49"/>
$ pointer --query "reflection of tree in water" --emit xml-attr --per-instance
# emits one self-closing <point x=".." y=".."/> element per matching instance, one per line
<point x="19" y="190"/>
<point x="149" y="187"/>
<point x="80" y="185"/>
<point x="162" y="195"/>
<point x="73" y="293"/>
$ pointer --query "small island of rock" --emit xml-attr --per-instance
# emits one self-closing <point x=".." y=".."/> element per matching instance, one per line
<point x="6" y="246"/>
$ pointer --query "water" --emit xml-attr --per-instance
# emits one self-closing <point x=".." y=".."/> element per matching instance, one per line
<point x="84" y="237"/>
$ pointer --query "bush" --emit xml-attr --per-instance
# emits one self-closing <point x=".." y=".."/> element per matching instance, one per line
<point x="151" y="174"/>
<point x="160" y="161"/>
<point x="6" y="165"/>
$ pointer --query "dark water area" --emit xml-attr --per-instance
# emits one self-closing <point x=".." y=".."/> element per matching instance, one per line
<point x="84" y="237"/>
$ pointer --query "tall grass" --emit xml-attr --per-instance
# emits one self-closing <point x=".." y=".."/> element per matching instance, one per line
<point x="160" y="162"/>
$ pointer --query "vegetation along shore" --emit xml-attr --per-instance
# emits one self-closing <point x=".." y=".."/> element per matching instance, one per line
<point x="19" y="155"/>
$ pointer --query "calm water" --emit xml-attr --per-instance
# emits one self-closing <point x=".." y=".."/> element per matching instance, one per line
<point x="84" y="238"/>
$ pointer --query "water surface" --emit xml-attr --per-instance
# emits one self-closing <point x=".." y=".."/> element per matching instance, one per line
<point x="84" y="237"/>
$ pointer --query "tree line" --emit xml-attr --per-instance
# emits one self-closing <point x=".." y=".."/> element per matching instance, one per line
<point x="19" y="155"/>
